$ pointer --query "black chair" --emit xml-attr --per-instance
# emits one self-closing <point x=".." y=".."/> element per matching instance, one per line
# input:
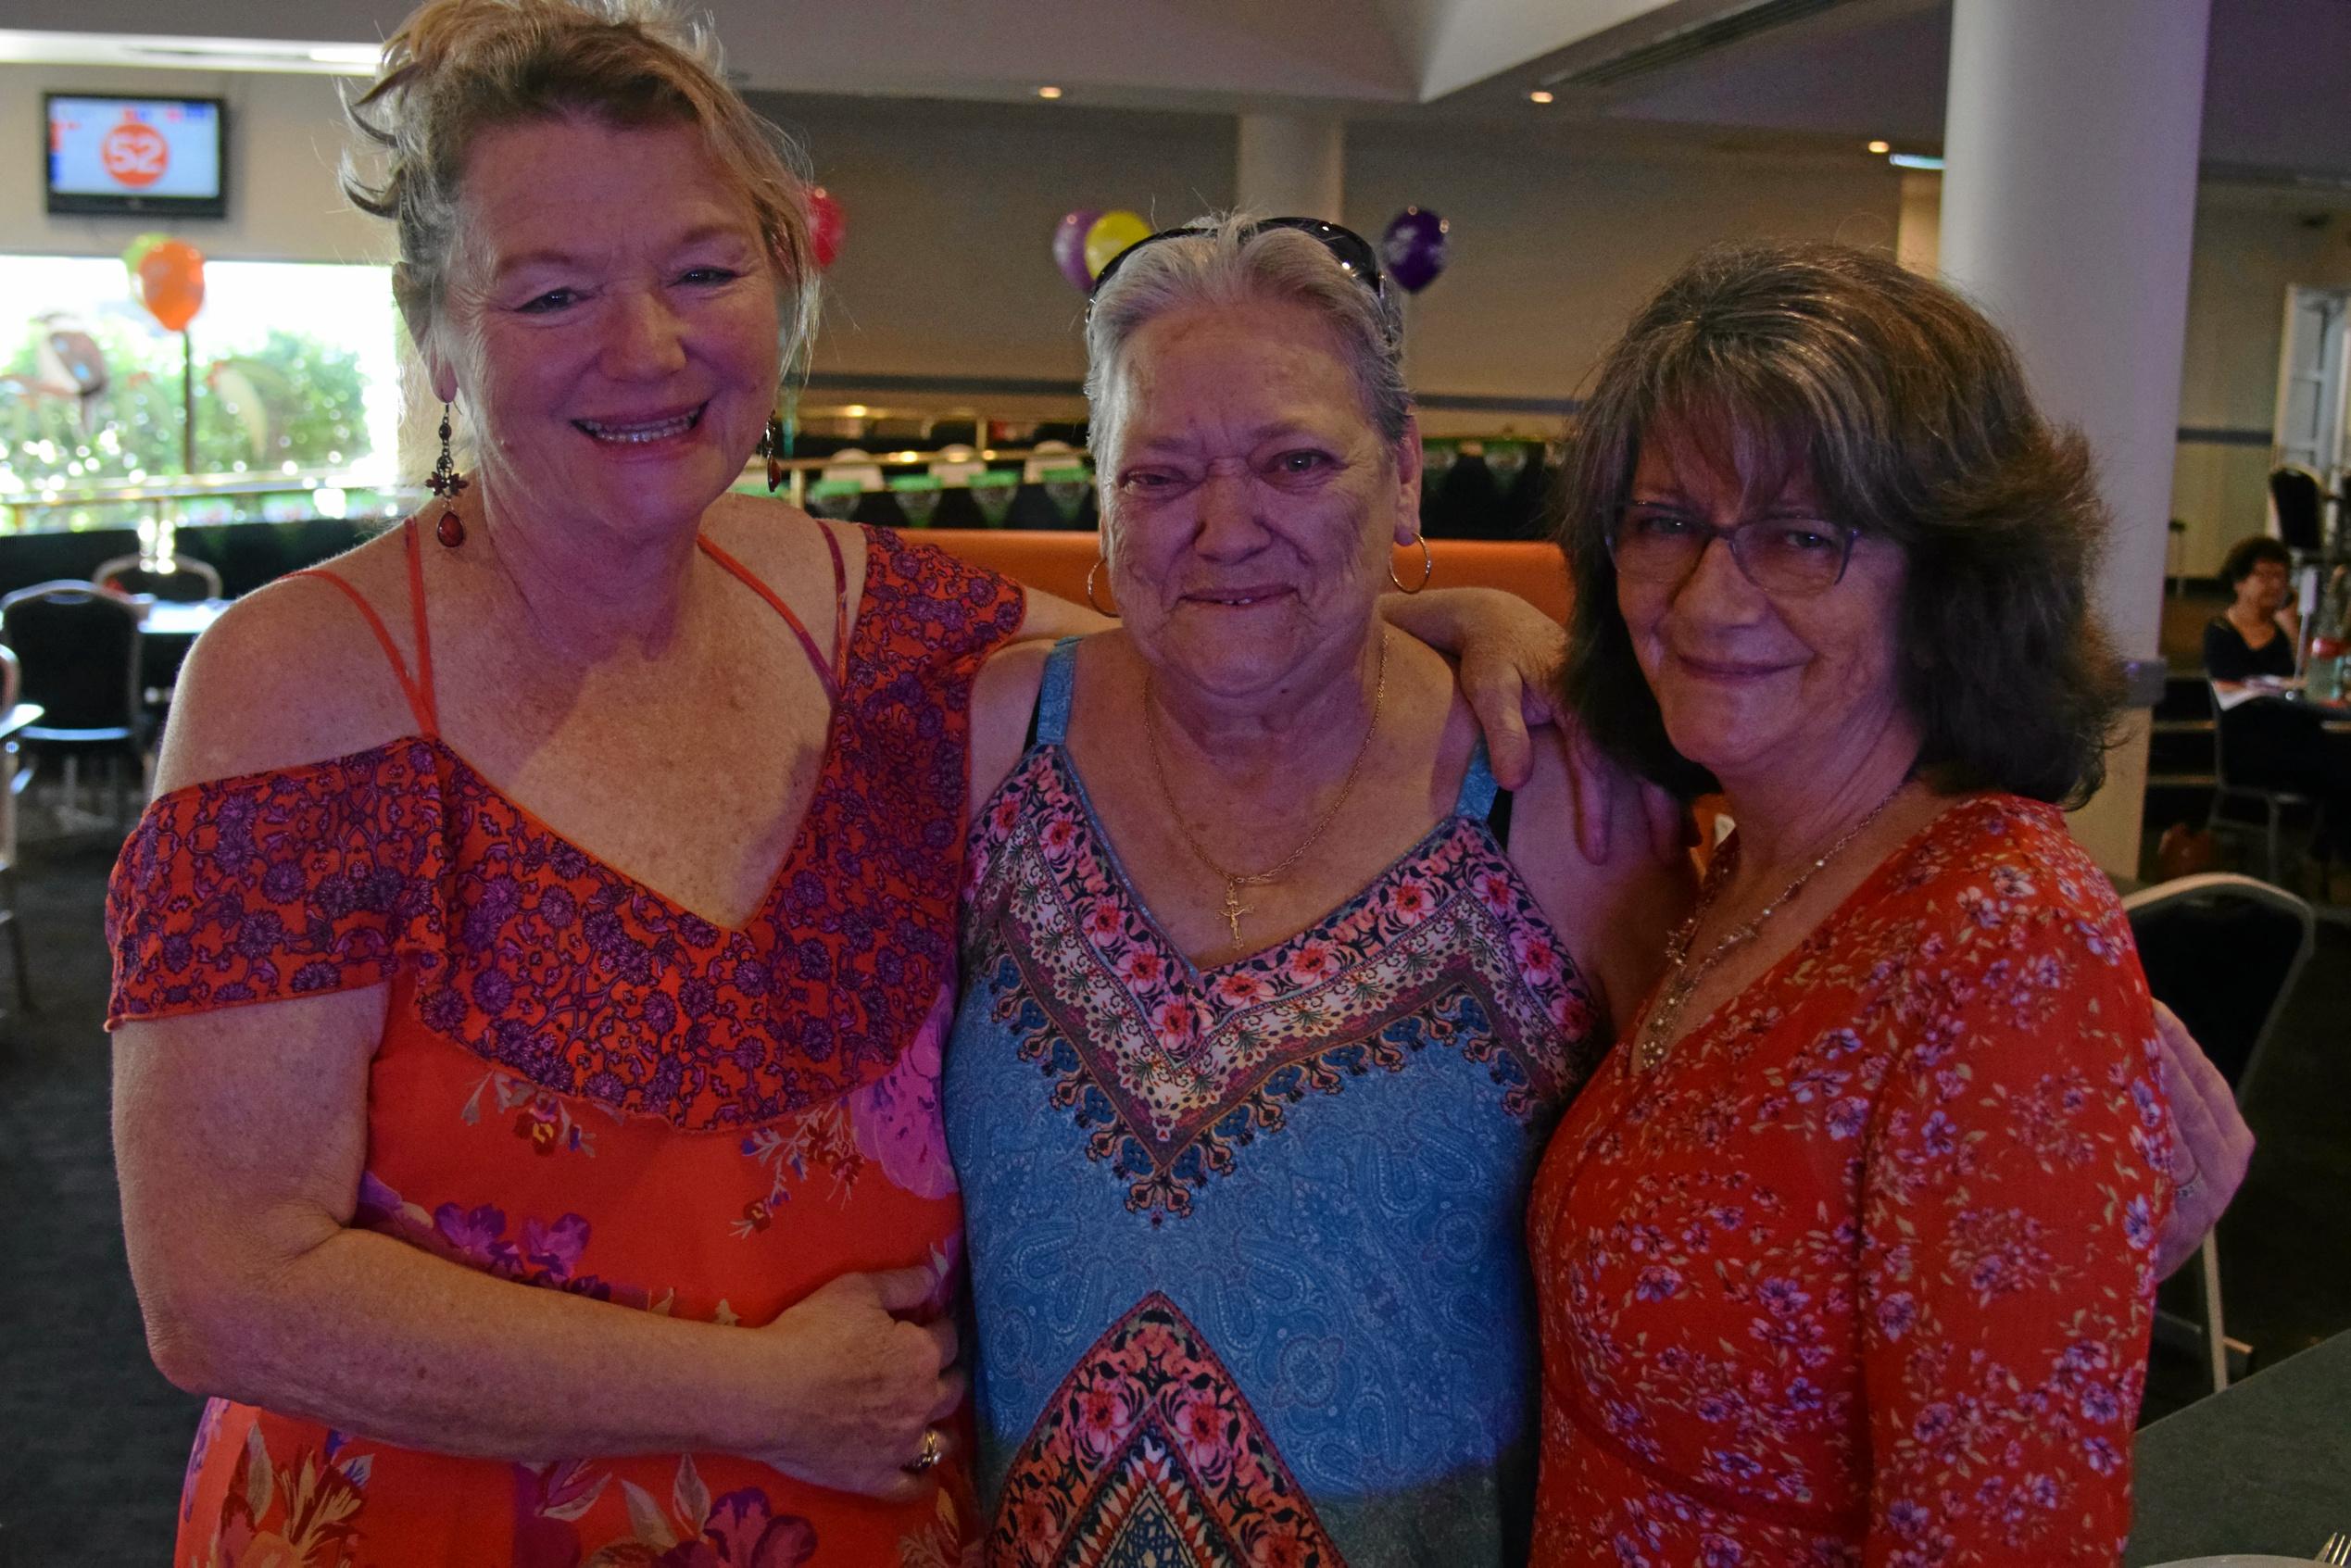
<point x="2222" y="951"/>
<point x="182" y="580"/>
<point x="2284" y="731"/>
<point x="11" y="782"/>
<point x="79" y="650"/>
<point x="2300" y="501"/>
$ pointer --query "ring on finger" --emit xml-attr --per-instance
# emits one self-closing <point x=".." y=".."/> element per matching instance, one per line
<point x="933" y="1448"/>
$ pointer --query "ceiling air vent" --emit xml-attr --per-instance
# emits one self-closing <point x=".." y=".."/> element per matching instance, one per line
<point x="1687" y="44"/>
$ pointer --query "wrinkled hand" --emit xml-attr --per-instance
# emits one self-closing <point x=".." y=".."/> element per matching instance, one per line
<point x="1601" y="784"/>
<point x="2211" y="1147"/>
<point x="1509" y="654"/>
<point x="866" y="1383"/>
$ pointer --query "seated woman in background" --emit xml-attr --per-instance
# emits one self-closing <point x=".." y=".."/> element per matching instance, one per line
<point x="2267" y="744"/>
<point x="1271" y="993"/>
<point x="2257" y="635"/>
<point x="1847" y="1253"/>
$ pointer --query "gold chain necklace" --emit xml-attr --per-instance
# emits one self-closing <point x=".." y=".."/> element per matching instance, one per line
<point x="1234" y="881"/>
<point x="1656" y="1029"/>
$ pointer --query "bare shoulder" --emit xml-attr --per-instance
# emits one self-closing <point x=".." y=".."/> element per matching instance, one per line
<point x="1002" y="699"/>
<point x="292" y="674"/>
<point x="784" y="548"/>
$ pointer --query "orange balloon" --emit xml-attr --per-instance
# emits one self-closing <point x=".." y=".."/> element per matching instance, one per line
<point x="172" y="283"/>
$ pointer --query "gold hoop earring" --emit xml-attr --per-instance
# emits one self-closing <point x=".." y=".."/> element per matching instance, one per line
<point x="1427" y="567"/>
<point x="1091" y="572"/>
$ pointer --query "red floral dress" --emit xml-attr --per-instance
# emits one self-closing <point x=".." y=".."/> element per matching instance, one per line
<point x="584" y="1087"/>
<point x="1863" y="1270"/>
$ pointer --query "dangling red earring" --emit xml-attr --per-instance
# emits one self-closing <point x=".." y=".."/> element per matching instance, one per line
<point x="446" y="482"/>
<point x="774" y="443"/>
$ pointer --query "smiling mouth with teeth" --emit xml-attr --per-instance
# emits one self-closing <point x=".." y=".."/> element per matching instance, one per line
<point x="639" y="435"/>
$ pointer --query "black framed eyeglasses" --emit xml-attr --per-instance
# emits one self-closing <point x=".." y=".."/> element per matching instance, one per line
<point x="1355" y="254"/>
<point x="1786" y="558"/>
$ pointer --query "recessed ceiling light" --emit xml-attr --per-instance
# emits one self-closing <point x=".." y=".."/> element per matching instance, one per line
<point x="1540" y="95"/>
<point x="1915" y="161"/>
<point x="1882" y="146"/>
<point x="1048" y="91"/>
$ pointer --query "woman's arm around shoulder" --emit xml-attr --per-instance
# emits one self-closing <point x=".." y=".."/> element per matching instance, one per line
<point x="1614" y="912"/>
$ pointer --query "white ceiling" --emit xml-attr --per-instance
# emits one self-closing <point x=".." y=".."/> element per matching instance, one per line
<point x="2278" y="100"/>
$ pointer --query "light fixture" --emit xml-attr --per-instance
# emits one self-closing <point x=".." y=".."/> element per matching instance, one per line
<point x="1882" y="146"/>
<point x="1540" y="96"/>
<point x="1914" y="160"/>
<point x="152" y="50"/>
<point x="1048" y="91"/>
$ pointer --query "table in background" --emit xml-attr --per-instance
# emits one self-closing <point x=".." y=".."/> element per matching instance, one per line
<point x="166" y="617"/>
<point x="2263" y="1467"/>
<point x="167" y="629"/>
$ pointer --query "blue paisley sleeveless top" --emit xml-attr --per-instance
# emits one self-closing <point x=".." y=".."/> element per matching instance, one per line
<point x="1244" y="1242"/>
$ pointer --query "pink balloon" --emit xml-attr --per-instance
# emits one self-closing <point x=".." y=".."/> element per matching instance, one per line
<point x="826" y="227"/>
<point x="1069" y="247"/>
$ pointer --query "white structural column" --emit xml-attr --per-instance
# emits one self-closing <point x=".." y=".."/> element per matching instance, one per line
<point x="2069" y="210"/>
<point x="1292" y="165"/>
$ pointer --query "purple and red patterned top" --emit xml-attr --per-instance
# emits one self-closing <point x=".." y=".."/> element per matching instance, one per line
<point x="583" y="1087"/>
<point x="1862" y="1272"/>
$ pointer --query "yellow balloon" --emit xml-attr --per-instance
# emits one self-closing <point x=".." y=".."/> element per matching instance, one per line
<point x="1112" y="233"/>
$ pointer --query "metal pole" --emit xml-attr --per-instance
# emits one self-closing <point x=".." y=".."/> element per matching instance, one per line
<point x="188" y="401"/>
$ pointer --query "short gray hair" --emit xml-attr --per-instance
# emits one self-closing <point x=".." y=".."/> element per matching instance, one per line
<point x="1232" y="261"/>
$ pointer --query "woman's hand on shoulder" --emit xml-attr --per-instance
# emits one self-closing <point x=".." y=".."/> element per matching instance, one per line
<point x="290" y="673"/>
<point x="1613" y="908"/>
<point x="2211" y="1145"/>
<point x="1003" y="698"/>
<point x="1509" y="655"/>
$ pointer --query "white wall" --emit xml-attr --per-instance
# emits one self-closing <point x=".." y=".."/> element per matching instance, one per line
<point x="946" y="269"/>
<point x="2251" y="247"/>
<point x="1555" y="241"/>
<point x="1557" y="234"/>
<point x="286" y="133"/>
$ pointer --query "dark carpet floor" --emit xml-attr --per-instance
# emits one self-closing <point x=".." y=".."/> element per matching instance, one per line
<point x="93" y="1442"/>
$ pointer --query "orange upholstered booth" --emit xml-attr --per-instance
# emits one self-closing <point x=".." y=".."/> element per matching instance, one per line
<point x="1057" y="563"/>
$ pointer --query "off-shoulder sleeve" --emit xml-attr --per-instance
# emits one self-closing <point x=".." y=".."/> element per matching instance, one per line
<point x="2015" y="1183"/>
<point x="320" y="878"/>
<point x="931" y="610"/>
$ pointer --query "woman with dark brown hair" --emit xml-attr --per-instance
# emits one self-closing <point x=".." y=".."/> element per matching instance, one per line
<point x="1847" y="1253"/>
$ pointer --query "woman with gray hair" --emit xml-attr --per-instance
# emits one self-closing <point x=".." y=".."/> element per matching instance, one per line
<point x="1267" y="1009"/>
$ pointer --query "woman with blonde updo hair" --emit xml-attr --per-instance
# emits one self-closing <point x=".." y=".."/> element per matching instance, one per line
<point x="531" y="974"/>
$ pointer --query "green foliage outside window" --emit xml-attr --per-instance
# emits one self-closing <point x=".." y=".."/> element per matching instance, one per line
<point x="294" y="400"/>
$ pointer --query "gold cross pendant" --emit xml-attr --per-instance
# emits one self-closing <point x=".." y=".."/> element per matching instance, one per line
<point x="1234" y="908"/>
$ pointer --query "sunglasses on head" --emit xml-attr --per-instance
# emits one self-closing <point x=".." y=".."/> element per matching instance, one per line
<point x="1353" y="253"/>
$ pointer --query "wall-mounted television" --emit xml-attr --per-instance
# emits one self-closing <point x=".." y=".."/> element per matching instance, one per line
<point x="154" y="157"/>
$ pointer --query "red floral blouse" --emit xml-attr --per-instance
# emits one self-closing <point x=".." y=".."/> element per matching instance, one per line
<point x="1863" y="1270"/>
<point x="582" y="1086"/>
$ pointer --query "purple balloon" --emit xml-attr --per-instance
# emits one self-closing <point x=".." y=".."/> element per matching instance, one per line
<point x="1069" y="247"/>
<point x="1412" y="247"/>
